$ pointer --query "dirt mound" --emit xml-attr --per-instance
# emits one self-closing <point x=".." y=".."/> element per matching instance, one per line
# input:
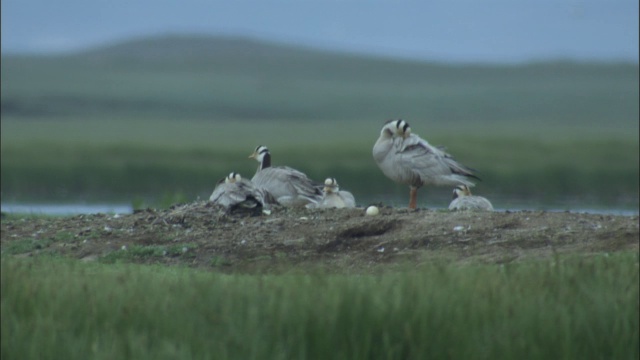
<point x="339" y="240"/>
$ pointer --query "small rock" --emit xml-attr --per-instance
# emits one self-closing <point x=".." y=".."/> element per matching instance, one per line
<point x="458" y="228"/>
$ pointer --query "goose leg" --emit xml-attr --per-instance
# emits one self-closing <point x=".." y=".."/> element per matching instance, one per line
<point x="413" y="197"/>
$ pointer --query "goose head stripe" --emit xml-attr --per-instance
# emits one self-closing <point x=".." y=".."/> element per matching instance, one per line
<point x="460" y="191"/>
<point x="233" y="177"/>
<point x="262" y="155"/>
<point x="331" y="185"/>
<point x="395" y="127"/>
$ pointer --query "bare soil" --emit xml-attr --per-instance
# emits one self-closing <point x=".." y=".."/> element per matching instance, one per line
<point x="337" y="240"/>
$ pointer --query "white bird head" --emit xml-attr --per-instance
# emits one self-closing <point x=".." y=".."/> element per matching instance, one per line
<point x="398" y="127"/>
<point x="233" y="177"/>
<point x="331" y="185"/>
<point x="461" y="191"/>
<point x="259" y="153"/>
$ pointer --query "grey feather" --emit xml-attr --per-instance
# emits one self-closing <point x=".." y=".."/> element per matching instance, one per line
<point x="241" y="193"/>
<point x="287" y="185"/>
<point x="413" y="161"/>
<point x="471" y="203"/>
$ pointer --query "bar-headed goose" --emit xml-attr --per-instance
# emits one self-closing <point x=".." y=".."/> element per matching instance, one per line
<point x="288" y="186"/>
<point x="334" y="197"/>
<point x="235" y="192"/>
<point x="406" y="158"/>
<point x="463" y="200"/>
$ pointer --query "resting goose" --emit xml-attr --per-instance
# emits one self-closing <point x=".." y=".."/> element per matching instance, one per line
<point x="334" y="197"/>
<point x="463" y="200"/>
<point x="288" y="186"/>
<point x="235" y="192"/>
<point x="406" y="158"/>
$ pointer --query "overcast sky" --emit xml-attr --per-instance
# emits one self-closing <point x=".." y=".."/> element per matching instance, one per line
<point x="457" y="30"/>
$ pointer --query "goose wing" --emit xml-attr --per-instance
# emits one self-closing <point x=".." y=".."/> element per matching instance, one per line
<point x="228" y="195"/>
<point x="424" y="163"/>
<point x="283" y="181"/>
<point x="348" y="198"/>
<point x="219" y="191"/>
<point x="241" y="193"/>
<point x="260" y="194"/>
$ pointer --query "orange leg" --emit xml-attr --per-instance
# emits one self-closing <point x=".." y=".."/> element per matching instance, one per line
<point x="413" y="197"/>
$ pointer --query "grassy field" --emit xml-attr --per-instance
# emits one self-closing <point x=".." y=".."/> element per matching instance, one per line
<point x="563" y="308"/>
<point x="168" y="117"/>
<point x="76" y="161"/>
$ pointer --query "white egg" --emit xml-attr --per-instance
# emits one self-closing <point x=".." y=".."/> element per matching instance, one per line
<point x="372" y="210"/>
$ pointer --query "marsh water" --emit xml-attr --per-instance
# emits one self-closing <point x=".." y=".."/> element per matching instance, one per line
<point x="65" y="209"/>
<point x="69" y="209"/>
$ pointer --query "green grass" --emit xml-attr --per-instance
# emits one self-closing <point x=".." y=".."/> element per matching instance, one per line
<point x="26" y="245"/>
<point x="149" y="253"/>
<point x="563" y="308"/>
<point x="86" y="161"/>
<point x="158" y="119"/>
<point x="39" y="243"/>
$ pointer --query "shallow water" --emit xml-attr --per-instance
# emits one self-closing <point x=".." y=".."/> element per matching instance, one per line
<point x="77" y="209"/>
<point x="66" y="209"/>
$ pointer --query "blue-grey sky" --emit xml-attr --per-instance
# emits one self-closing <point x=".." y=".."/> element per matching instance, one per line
<point x="455" y="30"/>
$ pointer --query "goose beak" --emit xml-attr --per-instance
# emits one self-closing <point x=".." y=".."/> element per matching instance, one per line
<point x="253" y="156"/>
<point x="406" y="132"/>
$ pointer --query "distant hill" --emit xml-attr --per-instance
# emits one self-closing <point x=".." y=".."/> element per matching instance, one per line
<point x="184" y="47"/>
<point x="202" y="77"/>
<point x="173" y="47"/>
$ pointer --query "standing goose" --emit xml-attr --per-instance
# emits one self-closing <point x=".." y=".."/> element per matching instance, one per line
<point x="406" y="158"/>
<point x="235" y="192"/>
<point x="334" y="197"/>
<point x="288" y="186"/>
<point x="463" y="200"/>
